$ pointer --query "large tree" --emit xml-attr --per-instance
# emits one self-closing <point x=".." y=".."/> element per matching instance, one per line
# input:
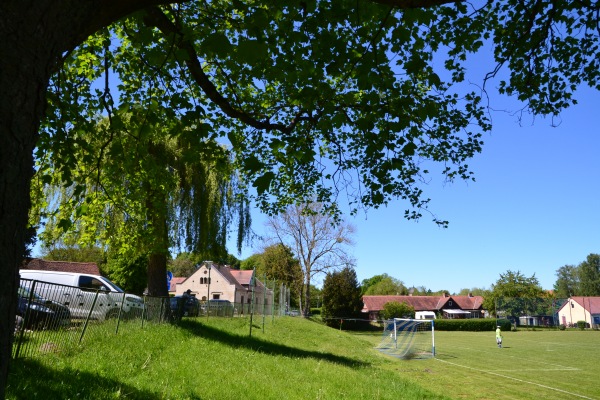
<point x="318" y="240"/>
<point x="395" y="309"/>
<point x="580" y="280"/>
<point x="506" y="293"/>
<point x="384" y="285"/>
<point x="140" y="185"/>
<point x="305" y="90"/>
<point x="589" y="275"/>
<point x="280" y="264"/>
<point x="567" y="282"/>
<point x="341" y="297"/>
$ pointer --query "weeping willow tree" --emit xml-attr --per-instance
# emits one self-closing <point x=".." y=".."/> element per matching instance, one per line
<point x="141" y="183"/>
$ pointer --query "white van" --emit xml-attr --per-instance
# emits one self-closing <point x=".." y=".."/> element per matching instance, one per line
<point x="424" y="315"/>
<point x="84" y="294"/>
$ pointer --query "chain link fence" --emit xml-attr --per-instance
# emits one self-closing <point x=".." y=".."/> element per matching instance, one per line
<point x="53" y="317"/>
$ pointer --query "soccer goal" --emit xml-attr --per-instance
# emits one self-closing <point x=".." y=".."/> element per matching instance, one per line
<point x="408" y="338"/>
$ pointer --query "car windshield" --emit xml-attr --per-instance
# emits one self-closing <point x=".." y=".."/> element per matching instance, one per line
<point x="111" y="284"/>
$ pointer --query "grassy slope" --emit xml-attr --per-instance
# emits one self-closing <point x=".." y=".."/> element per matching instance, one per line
<point x="215" y="359"/>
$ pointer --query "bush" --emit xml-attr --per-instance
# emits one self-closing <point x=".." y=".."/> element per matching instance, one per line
<point x="473" y="325"/>
<point x="581" y="325"/>
<point x="562" y="327"/>
<point x="395" y="309"/>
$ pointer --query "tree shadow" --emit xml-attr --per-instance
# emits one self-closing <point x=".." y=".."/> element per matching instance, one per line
<point x="262" y="346"/>
<point x="29" y="379"/>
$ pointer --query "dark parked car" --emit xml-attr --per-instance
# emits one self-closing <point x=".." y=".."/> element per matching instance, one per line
<point x="37" y="312"/>
<point x="190" y="306"/>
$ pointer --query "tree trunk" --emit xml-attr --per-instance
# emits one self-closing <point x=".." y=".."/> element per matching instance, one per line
<point x="156" y="214"/>
<point x="157" y="275"/>
<point x="24" y="73"/>
<point x="35" y="36"/>
<point x="306" y="311"/>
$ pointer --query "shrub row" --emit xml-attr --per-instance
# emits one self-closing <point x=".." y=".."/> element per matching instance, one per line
<point x="473" y="325"/>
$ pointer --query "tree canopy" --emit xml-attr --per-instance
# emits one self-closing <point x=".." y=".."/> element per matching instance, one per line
<point x="395" y="309"/>
<point x="512" y="285"/>
<point x="580" y="280"/>
<point x="383" y="285"/>
<point x="567" y="281"/>
<point x="319" y="99"/>
<point x="589" y="273"/>
<point x="341" y="298"/>
<point x="138" y="186"/>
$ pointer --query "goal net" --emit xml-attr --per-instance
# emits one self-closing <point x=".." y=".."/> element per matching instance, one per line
<point x="408" y="338"/>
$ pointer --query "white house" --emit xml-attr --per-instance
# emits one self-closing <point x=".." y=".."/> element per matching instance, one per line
<point x="579" y="308"/>
<point x="212" y="281"/>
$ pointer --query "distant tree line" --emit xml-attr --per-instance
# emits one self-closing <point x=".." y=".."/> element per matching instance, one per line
<point x="580" y="280"/>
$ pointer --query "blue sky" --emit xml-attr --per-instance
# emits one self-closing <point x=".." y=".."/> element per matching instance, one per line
<point x="533" y="208"/>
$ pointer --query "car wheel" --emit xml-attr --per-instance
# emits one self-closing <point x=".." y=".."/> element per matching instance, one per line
<point x="112" y="314"/>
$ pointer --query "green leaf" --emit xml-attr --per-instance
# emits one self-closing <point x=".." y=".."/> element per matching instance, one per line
<point x="251" y="51"/>
<point x="65" y="224"/>
<point x="217" y="44"/>
<point x="409" y="149"/>
<point x="252" y="164"/>
<point x="262" y="183"/>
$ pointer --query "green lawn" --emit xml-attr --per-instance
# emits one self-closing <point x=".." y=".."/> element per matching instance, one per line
<point x="299" y="359"/>
<point x="531" y="365"/>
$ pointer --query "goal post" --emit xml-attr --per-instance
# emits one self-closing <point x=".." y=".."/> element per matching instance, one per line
<point x="408" y="338"/>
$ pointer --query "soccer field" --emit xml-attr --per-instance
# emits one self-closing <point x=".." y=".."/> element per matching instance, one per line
<point x="531" y="365"/>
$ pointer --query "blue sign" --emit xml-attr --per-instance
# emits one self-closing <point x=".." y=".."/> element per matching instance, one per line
<point x="169" y="277"/>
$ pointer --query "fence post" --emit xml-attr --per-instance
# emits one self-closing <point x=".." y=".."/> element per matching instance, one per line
<point x="252" y="282"/>
<point x="144" y="311"/>
<point x="273" y="303"/>
<point x="88" y="317"/>
<point x="120" y="313"/>
<point x="24" y="322"/>
<point x="264" y="302"/>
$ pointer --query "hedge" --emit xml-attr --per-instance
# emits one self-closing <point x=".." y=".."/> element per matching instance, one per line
<point x="473" y="324"/>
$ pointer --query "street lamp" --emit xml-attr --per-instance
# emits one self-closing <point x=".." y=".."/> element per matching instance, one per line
<point x="209" y="267"/>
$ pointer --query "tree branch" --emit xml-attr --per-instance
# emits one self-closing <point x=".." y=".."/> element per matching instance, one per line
<point x="100" y="14"/>
<point x="407" y="4"/>
<point x="156" y="18"/>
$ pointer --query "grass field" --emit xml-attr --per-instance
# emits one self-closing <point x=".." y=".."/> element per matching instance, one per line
<point x="531" y="365"/>
<point x="299" y="359"/>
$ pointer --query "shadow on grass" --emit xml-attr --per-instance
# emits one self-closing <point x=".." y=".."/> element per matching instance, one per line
<point x="29" y="379"/>
<point x="263" y="346"/>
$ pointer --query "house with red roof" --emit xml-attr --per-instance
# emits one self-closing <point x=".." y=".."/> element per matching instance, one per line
<point x="61" y="266"/>
<point x="580" y="308"/>
<point x="221" y="282"/>
<point x="176" y="280"/>
<point x="444" y="306"/>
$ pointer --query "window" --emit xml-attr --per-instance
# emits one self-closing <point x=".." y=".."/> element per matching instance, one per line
<point x="89" y="282"/>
